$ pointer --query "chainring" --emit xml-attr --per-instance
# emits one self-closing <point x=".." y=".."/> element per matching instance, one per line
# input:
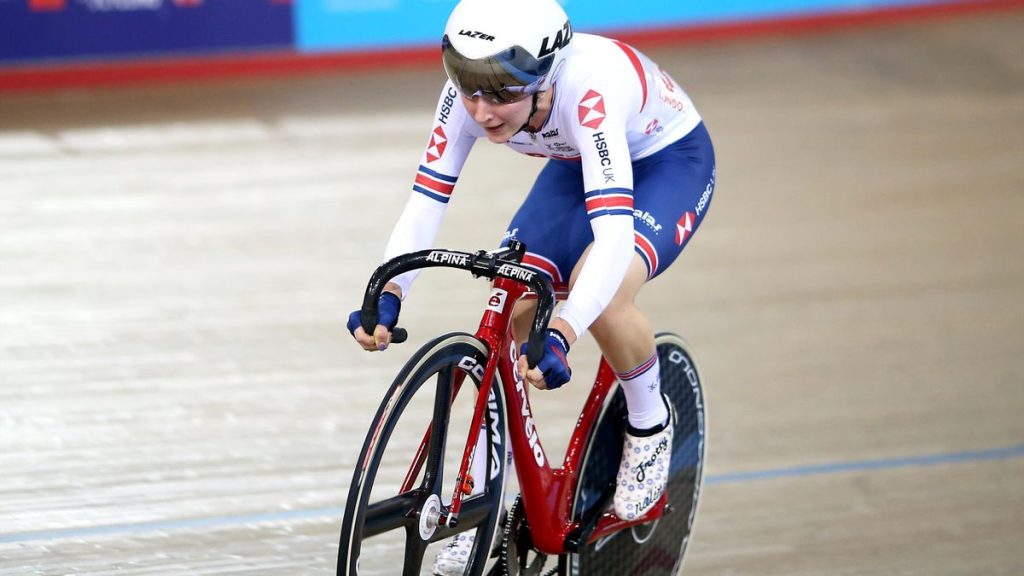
<point x="518" y="557"/>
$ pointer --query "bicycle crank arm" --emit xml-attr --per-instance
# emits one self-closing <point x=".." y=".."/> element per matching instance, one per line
<point x="609" y="523"/>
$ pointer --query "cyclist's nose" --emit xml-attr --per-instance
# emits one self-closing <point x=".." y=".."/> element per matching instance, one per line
<point x="483" y="112"/>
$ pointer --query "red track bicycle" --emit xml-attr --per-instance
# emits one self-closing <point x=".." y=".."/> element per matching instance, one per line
<point x="405" y="494"/>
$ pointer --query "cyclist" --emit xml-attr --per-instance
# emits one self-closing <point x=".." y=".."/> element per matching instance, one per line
<point x="629" y="179"/>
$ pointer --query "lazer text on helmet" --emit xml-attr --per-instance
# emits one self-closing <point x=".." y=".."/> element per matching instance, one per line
<point x="475" y="34"/>
<point x="561" y="41"/>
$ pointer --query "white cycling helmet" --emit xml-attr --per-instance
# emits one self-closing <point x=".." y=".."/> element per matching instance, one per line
<point x="505" y="51"/>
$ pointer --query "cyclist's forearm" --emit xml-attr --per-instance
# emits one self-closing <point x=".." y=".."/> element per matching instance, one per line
<point x="565" y="329"/>
<point x="416" y="229"/>
<point x="602" y="273"/>
<point x="395" y="289"/>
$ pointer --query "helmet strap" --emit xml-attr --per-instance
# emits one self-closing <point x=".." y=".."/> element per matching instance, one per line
<point x="533" y="110"/>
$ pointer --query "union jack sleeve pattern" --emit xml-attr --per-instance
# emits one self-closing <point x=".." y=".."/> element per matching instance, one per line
<point x="434" y="184"/>
<point x="609" y="202"/>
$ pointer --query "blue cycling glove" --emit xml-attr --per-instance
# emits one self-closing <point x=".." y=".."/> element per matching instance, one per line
<point x="554" y="364"/>
<point x="388" y="308"/>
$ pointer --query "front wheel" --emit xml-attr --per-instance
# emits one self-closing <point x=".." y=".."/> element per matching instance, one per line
<point x="405" y="474"/>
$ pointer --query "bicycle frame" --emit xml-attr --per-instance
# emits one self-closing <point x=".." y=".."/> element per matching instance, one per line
<point x="543" y="487"/>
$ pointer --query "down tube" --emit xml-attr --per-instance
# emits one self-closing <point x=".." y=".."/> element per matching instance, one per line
<point x="546" y="493"/>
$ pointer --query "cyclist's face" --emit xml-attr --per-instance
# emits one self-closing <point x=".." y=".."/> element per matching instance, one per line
<point x="499" y="121"/>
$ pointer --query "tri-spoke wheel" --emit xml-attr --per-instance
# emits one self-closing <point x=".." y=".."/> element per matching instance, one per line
<point x="406" y="472"/>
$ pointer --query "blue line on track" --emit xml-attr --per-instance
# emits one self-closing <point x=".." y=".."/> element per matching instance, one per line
<point x="156" y="527"/>
<point x="870" y="465"/>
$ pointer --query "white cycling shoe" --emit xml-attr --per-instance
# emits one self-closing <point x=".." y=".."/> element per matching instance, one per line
<point x="453" y="558"/>
<point x="643" y="471"/>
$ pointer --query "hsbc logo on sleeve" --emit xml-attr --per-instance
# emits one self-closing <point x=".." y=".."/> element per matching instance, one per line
<point x="667" y="80"/>
<point x="438" y="142"/>
<point x="591" y="110"/>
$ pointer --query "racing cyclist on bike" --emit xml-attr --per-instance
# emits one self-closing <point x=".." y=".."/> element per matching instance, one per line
<point x="629" y="179"/>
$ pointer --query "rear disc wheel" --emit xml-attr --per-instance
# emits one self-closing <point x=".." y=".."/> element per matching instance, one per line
<point x="657" y="548"/>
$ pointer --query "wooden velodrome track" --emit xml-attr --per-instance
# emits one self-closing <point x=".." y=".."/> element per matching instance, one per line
<point x="178" y="394"/>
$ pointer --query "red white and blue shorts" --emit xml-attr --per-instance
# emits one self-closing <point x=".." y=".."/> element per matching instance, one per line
<point x="672" y="192"/>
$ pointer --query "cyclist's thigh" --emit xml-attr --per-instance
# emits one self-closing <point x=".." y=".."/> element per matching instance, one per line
<point x="553" y="222"/>
<point x="672" y="192"/>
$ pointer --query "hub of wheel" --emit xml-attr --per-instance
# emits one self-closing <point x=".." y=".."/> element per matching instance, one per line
<point x="430" y="516"/>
